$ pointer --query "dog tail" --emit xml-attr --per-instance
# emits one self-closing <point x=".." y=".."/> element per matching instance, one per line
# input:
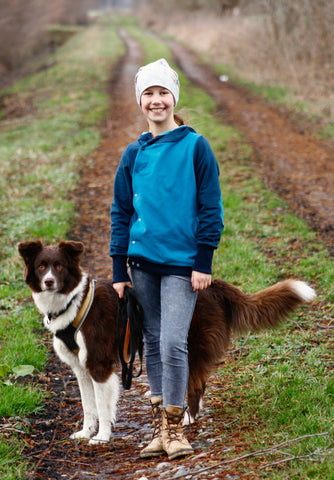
<point x="223" y="308"/>
<point x="268" y="307"/>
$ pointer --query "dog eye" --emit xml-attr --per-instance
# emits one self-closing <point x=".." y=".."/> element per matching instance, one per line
<point x="58" y="267"/>
<point x="42" y="266"/>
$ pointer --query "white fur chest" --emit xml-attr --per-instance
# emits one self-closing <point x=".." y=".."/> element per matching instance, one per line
<point x="60" y="309"/>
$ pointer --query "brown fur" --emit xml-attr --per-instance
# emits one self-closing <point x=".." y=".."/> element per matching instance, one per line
<point x="99" y="331"/>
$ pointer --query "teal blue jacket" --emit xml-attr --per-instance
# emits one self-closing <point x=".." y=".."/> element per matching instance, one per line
<point x="166" y="214"/>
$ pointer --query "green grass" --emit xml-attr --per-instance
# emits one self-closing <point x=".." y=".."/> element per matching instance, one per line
<point x="11" y="463"/>
<point x="40" y="155"/>
<point x="282" y="381"/>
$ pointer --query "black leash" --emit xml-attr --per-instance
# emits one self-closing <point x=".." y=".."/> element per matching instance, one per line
<point x="129" y="334"/>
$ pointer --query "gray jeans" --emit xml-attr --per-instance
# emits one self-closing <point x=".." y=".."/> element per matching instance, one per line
<point x="168" y="302"/>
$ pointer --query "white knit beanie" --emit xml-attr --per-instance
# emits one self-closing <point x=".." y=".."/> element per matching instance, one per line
<point x="159" y="74"/>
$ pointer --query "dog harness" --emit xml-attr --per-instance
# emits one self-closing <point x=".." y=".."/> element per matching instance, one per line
<point x="69" y="334"/>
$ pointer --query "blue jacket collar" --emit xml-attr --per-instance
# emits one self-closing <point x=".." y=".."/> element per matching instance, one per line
<point x="170" y="136"/>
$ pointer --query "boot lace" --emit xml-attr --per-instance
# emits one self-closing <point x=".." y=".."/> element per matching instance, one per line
<point x="156" y="415"/>
<point x="174" y="428"/>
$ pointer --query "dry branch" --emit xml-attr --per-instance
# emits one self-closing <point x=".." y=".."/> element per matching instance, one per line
<point x="257" y="453"/>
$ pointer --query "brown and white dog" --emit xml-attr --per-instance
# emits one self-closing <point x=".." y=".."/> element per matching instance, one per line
<point x="61" y="291"/>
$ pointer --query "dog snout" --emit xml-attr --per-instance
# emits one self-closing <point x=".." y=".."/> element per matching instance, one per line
<point x="49" y="282"/>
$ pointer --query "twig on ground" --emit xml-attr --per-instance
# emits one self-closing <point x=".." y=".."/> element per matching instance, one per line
<point x="295" y="457"/>
<point x="326" y="327"/>
<point x="230" y="352"/>
<point x="11" y="429"/>
<point x="254" y="454"/>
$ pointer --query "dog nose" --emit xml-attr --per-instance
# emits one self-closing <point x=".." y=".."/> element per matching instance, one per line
<point x="49" y="282"/>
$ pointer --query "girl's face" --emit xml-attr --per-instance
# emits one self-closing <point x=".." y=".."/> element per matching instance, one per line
<point x="157" y="104"/>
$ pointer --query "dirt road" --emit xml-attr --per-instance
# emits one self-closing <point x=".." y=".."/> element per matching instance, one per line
<point x="293" y="163"/>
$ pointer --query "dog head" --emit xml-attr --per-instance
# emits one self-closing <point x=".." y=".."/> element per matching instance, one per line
<point x="52" y="268"/>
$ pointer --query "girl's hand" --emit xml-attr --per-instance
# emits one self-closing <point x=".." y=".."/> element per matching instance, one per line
<point x="200" y="281"/>
<point x="119" y="288"/>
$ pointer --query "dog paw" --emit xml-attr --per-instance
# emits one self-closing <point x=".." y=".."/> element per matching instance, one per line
<point x="81" y="435"/>
<point x="188" y="419"/>
<point x="98" y="441"/>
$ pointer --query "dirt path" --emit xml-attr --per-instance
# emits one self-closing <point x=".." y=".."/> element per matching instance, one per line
<point x="55" y="456"/>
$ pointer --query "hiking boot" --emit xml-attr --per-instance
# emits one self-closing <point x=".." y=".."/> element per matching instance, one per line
<point x="155" y="448"/>
<point x="173" y="440"/>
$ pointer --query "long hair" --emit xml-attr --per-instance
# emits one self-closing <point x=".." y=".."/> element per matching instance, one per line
<point x="179" y="120"/>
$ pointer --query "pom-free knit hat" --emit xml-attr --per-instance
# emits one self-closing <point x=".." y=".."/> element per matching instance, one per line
<point x="160" y="74"/>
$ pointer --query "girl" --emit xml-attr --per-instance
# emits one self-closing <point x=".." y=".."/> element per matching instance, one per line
<point x="166" y="221"/>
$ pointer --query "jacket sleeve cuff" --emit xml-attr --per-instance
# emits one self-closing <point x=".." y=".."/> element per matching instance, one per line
<point x="120" y="271"/>
<point x="203" y="260"/>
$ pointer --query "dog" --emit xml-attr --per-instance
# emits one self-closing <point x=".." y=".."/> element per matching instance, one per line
<point x="61" y="290"/>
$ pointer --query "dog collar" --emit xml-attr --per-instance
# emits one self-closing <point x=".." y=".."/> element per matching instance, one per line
<point x="53" y="316"/>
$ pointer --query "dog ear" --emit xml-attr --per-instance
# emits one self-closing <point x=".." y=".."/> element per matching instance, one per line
<point x="29" y="250"/>
<point x="73" y="249"/>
